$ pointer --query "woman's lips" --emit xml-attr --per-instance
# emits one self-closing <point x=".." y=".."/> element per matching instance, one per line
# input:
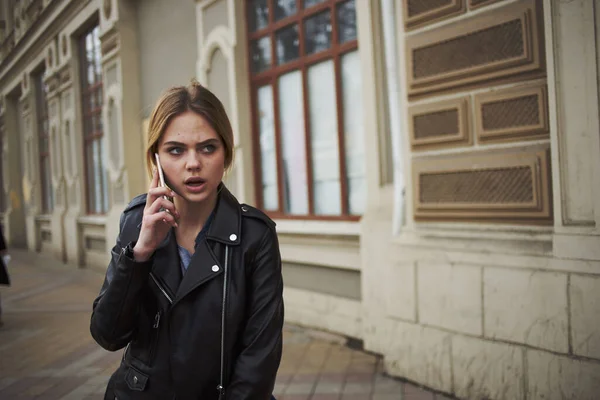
<point x="195" y="185"/>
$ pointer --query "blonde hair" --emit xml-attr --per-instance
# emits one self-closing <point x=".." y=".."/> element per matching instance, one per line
<point x="177" y="100"/>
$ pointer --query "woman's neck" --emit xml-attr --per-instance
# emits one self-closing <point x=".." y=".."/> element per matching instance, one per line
<point x="193" y="216"/>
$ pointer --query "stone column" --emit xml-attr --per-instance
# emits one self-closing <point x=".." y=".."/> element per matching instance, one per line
<point x="122" y="110"/>
<point x="68" y="125"/>
<point x="54" y="81"/>
<point x="31" y="169"/>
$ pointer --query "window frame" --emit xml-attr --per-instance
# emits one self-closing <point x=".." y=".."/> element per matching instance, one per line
<point x="270" y="77"/>
<point x="41" y="112"/>
<point x="89" y="135"/>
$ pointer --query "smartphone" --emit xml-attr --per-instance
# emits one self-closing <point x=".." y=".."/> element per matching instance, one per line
<point x="161" y="176"/>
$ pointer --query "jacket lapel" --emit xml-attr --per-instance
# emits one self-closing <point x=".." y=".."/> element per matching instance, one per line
<point x="164" y="268"/>
<point x="203" y="267"/>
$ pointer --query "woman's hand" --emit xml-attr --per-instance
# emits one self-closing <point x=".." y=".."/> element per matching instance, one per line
<point x="159" y="216"/>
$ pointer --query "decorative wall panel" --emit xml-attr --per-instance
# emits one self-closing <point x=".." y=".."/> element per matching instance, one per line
<point x="508" y="187"/>
<point x="441" y="124"/>
<point x="515" y="114"/>
<point x="422" y="12"/>
<point x="473" y="4"/>
<point x="490" y="46"/>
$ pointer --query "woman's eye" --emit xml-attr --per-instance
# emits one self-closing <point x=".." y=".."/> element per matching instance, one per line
<point x="209" y="148"/>
<point x="175" y="150"/>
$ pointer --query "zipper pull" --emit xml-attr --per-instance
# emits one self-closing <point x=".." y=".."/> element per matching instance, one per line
<point x="156" y="320"/>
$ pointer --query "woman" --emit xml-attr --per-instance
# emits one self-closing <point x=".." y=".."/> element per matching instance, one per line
<point x="4" y="277"/>
<point x="194" y="287"/>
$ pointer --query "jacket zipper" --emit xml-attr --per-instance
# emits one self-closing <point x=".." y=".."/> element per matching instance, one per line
<point x="154" y="344"/>
<point x="161" y="288"/>
<point x="156" y="324"/>
<point x="220" y="387"/>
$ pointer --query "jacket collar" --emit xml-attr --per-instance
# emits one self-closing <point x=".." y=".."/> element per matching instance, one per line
<point x="226" y="225"/>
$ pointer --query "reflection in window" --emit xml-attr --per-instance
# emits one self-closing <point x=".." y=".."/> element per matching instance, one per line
<point x="258" y="14"/>
<point x="293" y="146"/>
<point x="346" y="17"/>
<point x="317" y="32"/>
<point x="324" y="139"/>
<point x="310" y="3"/>
<point x="307" y="104"/>
<point x="92" y="99"/>
<point x="267" y="148"/>
<point x="288" y="44"/>
<point x="43" y="126"/>
<point x="353" y="132"/>
<point x="261" y="54"/>
<point x="284" y="8"/>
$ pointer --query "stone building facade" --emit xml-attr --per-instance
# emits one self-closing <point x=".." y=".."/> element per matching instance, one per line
<point x="433" y="166"/>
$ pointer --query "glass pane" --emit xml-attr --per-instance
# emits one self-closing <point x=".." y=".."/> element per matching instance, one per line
<point x="324" y="139"/>
<point x="346" y="17"/>
<point x="97" y="187"/>
<point x="284" y="8"/>
<point x="268" y="154"/>
<point x="258" y="14"/>
<point x="103" y="187"/>
<point x="288" y="44"/>
<point x="354" y="132"/>
<point x="310" y="3"/>
<point x="293" y="145"/>
<point x="317" y="32"/>
<point x="89" y="154"/>
<point x="91" y="74"/>
<point x="48" y="182"/>
<point x="261" y="54"/>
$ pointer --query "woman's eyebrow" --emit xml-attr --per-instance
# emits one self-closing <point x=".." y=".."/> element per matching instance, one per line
<point x="204" y="142"/>
<point x="173" y="143"/>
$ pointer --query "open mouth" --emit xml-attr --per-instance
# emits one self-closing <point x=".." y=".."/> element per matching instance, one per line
<point x="195" y="182"/>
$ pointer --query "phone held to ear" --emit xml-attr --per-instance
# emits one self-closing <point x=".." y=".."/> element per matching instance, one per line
<point x="161" y="177"/>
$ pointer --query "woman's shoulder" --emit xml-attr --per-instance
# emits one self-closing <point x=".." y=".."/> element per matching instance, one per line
<point x="256" y="214"/>
<point x="256" y="220"/>
<point x="134" y="211"/>
<point x="137" y="201"/>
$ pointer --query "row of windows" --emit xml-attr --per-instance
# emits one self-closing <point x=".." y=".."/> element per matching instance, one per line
<point x="306" y="85"/>
<point x="91" y="94"/>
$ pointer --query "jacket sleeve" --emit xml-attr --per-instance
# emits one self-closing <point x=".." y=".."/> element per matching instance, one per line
<point x="255" y="369"/>
<point x="115" y="309"/>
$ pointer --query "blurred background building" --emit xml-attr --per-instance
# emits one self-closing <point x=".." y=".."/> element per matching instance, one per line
<point x="433" y="166"/>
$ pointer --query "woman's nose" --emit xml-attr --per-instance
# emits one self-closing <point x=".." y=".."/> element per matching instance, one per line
<point x="193" y="161"/>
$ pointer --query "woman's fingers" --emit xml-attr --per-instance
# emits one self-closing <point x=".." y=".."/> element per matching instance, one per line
<point x="157" y="193"/>
<point x="163" y="217"/>
<point x="154" y="182"/>
<point x="161" y="204"/>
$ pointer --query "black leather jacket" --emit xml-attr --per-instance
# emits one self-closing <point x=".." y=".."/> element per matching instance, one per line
<point x="172" y="325"/>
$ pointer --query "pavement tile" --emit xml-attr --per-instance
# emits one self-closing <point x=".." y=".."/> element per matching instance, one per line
<point x="318" y="396"/>
<point x="304" y="378"/>
<point x="412" y="392"/>
<point x="352" y="396"/>
<point x="356" y="388"/>
<point x="62" y="388"/>
<point x="387" y="396"/>
<point x="299" y="388"/>
<point x="325" y="387"/>
<point x="355" y="377"/>
<point x="295" y="397"/>
<point x="386" y="385"/>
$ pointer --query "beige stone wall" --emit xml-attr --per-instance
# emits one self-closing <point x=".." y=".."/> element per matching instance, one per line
<point x="167" y="47"/>
<point x="493" y="302"/>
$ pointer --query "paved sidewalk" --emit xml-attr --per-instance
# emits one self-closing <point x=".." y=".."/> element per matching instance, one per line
<point x="47" y="353"/>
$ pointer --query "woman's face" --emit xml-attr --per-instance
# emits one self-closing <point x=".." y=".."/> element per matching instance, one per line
<point x="192" y="156"/>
